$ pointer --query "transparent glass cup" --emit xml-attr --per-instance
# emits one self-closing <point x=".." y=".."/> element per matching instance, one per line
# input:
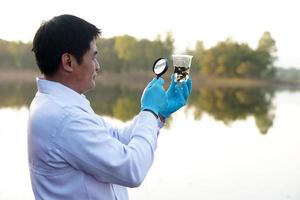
<point x="182" y="65"/>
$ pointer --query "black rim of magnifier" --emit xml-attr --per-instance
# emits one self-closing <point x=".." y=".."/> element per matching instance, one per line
<point x="165" y="69"/>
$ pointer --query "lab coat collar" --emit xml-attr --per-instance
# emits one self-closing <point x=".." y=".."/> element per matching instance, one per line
<point x="63" y="93"/>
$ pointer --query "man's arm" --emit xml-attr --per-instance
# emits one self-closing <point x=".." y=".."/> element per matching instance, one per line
<point x="89" y="147"/>
<point x="123" y="133"/>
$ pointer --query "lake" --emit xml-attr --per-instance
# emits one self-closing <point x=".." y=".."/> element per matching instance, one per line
<point x="227" y="144"/>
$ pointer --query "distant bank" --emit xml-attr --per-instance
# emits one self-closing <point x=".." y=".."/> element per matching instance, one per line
<point x="138" y="80"/>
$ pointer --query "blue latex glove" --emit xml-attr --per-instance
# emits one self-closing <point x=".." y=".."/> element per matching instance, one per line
<point x="177" y="95"/>
<point x="154" y="96"/>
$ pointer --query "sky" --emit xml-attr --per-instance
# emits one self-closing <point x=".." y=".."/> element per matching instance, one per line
<point x="189" y="21"/>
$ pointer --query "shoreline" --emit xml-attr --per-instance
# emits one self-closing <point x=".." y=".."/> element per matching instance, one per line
<point x="138" y="80"/>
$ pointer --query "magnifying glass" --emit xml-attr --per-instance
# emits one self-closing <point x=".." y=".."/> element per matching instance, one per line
<point x="160" y="66"/>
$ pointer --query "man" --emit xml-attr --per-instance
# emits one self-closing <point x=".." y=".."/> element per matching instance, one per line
<point x="74" y="153"/>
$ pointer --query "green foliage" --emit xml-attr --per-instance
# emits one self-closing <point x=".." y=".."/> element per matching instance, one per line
<point x="232" y="59"/>
<point x="107" y="56"/>
<point x="116" y="54"/>
<point x="125" y="47"/>
<point x="197" y="54"/>
<point x="16" y="55"/>
<point x="126" y="53"/>
<point x="267" y="43"/>
<point x="139" y="55"/>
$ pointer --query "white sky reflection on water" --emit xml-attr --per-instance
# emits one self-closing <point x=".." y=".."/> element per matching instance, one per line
<point x="14" y="171"/>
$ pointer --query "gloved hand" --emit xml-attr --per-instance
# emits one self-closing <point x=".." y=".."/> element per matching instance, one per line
<point x="154" y="96"/>
<point x="177" y="96"/>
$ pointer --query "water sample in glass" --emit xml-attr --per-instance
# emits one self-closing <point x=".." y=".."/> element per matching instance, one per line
<point x="182" y="65"/>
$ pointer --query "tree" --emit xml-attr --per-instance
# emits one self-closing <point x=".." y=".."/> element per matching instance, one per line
<point x="126" y="48"/>
<point x="197" y="54"/>
<point x="168" y="44"/>
<point x="140" y="54"/>
<point x="231" y="59"/>
<point x="16" y="55"/>
<point x="267" y="43"/>
<point x="107" y="56"/>
<point x="266" y="50"/>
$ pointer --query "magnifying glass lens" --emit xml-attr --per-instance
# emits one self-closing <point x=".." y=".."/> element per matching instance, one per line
<point x="160" y="66"/>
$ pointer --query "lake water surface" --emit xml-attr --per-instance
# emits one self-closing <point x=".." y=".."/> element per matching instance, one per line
<point x="207" y="151"/>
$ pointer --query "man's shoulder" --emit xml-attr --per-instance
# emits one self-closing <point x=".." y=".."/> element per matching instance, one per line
<point x="46" y="106"/>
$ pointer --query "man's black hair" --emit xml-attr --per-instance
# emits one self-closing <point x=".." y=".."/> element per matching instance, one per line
<point x="62" y="34"/>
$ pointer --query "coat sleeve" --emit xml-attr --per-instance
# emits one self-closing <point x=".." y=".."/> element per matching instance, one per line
<point x="123" y="133"/>
<point x="90" y="148"/>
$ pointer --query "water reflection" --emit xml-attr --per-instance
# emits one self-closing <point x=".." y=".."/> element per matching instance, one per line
<point x="224" y="104"/>
<point x="234" y="160"/>
<point x="118" y="102"/>
<point x="16" y="95"/>
<point x="231" y="104"/>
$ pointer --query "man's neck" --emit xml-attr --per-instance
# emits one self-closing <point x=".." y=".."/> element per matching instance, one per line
<point x="62" y="80"/>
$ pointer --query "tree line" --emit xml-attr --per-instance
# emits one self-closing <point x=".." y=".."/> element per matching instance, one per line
<point x="232" y="59"/>
<point x="127" y="54"/>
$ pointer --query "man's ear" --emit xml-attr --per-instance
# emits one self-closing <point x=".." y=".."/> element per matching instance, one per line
<point x="68" y="62"/>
